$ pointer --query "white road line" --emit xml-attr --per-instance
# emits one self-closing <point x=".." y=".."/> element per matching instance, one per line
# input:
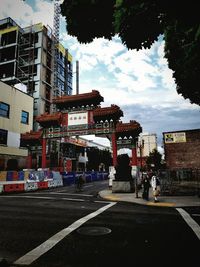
<point x="195" y="227"/>
<point x="52" y="198"/>
<point x="34" y="254"/>
<point x="72" y="199"/>
<point x="101" y="201"/>
<point x="72" y="194"/>
<point x="28" y="197"/>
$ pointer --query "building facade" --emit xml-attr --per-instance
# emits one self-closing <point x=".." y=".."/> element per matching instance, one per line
<point x="145" y="145"/>
<point x="31" y="56"/>
<point x="182" y="149"/>
<point x="16" y="117"/>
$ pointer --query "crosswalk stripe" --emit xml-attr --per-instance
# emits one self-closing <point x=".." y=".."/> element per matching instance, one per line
<point x="191" y="222"/>
<point x="34" y="254"/>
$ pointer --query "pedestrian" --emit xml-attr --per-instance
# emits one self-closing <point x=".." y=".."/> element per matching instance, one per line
<point x="80" y="182"/>
<point x="155" y="183"/>
<point x="146" y="185"/>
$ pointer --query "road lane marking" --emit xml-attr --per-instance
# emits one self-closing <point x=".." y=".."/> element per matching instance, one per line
<point x="72" y="199"/>
<point x="27" y="197"/>
<point x="101" y="201"/>
<point x="88" y="185"/>
<point x="51" y="198"/>
<point x="34" y="254"/>
<point x="191" y="222"/>
<point x="195" y="214"/>
<point x="72" y="194"/>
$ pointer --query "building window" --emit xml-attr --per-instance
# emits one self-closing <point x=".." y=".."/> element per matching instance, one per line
<point x="3" y="137"/>
<point x="4" y="110"/>
<point x="24" y="117"/>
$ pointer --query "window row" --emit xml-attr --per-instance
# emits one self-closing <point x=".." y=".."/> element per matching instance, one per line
<point x="5" y="112"/>
<point x="3" y="137"/>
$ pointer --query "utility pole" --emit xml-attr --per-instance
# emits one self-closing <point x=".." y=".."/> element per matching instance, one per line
<point x="140" y="145"/>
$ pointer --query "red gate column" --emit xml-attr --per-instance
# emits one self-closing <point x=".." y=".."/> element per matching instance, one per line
<point x="44" y="143"/>
<point x="114" y="148"/>
<point x="29" y="160"/>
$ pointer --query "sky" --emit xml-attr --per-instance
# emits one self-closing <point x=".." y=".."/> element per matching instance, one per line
<point x="139" y="82"/>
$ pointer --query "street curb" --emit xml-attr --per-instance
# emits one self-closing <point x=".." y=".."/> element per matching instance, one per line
<point x="162" y="202"/>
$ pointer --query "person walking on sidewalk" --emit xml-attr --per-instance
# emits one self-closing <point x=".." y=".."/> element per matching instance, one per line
<point x="146" y="185"/>
<point x="155" y="183"/>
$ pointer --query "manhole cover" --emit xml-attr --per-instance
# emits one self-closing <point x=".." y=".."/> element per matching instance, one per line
<point x="94" y="230"/>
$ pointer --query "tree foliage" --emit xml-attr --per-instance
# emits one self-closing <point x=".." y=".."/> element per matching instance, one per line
<point x="139" y="24"/>
<point x="154" y="160"/>
<point x="96" y="157"/>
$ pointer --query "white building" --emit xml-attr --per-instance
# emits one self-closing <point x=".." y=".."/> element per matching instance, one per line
<point x="146" y="144"/>
<point x="16" y="117"/>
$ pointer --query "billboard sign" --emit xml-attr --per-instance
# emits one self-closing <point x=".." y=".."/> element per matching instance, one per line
<point x="179" y="137"/>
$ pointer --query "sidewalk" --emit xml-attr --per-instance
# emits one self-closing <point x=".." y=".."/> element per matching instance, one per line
<point x="163" y="201"/>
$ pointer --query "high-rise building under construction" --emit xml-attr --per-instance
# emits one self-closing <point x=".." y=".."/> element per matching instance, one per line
<point x="28" y="56"/>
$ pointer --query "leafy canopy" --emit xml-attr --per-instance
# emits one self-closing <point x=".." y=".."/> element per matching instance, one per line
<point x="139" y="24"/>
<point x="154" y="160"/>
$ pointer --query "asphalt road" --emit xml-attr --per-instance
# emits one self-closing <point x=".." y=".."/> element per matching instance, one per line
<point x="65" y="228"/>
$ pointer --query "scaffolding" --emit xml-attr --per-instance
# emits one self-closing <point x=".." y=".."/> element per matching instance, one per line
<point x="17" y="54"/>
<point x="26" y="57"/>
<point x="56" y="30"/>
<point x="10" y="32"/>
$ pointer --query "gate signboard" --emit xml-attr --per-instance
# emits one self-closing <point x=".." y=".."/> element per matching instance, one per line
<point x="125" y="143"/>
<point x="85" y="129"/>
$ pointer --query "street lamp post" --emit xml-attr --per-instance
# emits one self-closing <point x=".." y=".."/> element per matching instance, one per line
<point x="140" y="145"/>
<point x="136" y="185"/>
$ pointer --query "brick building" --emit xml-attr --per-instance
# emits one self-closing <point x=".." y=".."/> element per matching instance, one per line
<point x="182" y="149"/>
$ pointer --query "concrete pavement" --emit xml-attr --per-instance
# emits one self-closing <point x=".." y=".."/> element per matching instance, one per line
<point x="163" y="201"/>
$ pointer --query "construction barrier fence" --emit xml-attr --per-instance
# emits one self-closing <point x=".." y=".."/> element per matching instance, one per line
<point x="30" y="180"/>
<point x="70" y="178"/>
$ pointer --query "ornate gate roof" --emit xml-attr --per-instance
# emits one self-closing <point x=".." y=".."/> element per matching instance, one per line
<point x="47" y="120"/>
<point x="113" y="112"/>
<point x="31" y="138"/>
<point x="69" y="101"/>
<point x="130" y="129"/>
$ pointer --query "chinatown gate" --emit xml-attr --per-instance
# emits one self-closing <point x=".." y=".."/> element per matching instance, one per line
<point x="77" y="115"/>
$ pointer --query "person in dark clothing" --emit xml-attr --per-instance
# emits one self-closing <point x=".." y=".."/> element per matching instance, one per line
<point x="146" y="185"/>
<point x="80" y="182"/>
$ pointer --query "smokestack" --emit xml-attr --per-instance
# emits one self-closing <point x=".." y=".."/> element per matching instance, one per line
<point x="77" y="77"/>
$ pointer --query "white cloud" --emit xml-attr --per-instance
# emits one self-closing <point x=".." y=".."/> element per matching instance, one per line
<point x="139" y="81"/>
<point x="24" y="14"/>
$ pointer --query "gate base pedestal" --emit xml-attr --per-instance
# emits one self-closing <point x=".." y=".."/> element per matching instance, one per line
<point x="122" y="187"/>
